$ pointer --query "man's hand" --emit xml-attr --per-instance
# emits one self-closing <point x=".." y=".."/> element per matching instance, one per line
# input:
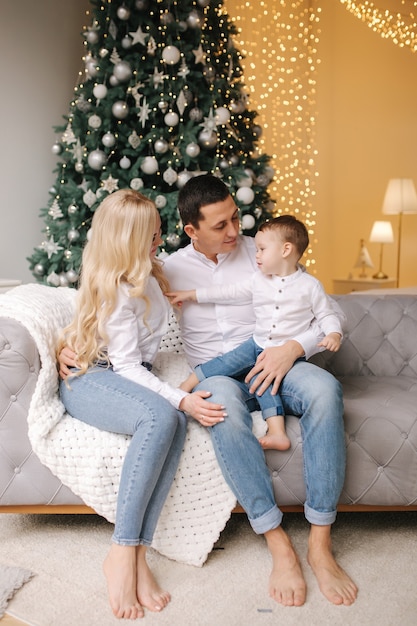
<point x="272" y="365"/>
<point x="66" y="359"/>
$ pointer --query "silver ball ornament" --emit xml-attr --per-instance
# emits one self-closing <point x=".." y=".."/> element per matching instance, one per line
<point x="96" y="159"/>
<point x="63" y="280"/>
<point x="149" y="165"/>
<point x="171" y="55"/>
<point x="160" y="201"/>
<point x="194" y="19"/>
<point x="91" y="36"/>
<point x="53" y="279"/>
<point x="222" y="115"/>
<point x="183" y="177"/>
<point x="108" y="140"/>
<point x="171" y="118"/>
<point x="173" y="240"/>
<point x="100" y="91"/>
<point x="72" y="276"/>
<point x="161" y="146"/>
<point x="79" y="167"/>
<point x="56" y="148"/>
<point x="120" y="109"/>
<point x="73" y="235"/>
<point x="39" y="269"/>
<point x="123" y="13"/>
<point x="126" y="42"/>
<point x="207" y="139"/>
<point x="125" y="163"/>
<point x="122" y="71"/>
<point x="72" y="209"/>
<point x="193" y="149"/>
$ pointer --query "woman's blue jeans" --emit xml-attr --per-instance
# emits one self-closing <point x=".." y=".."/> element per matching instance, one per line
<point x="236" y="364"/>
<point x="113" y="403"/>
<point x="313" y="395"/>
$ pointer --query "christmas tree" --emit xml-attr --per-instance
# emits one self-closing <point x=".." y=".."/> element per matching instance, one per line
<point x="161" y="99"/>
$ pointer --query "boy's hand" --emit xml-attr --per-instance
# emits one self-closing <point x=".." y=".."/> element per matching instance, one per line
<point x="331" y="342"/>
<point x="178" y="297"/>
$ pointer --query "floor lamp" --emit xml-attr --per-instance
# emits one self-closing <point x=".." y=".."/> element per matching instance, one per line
<point x="400" y="197"/>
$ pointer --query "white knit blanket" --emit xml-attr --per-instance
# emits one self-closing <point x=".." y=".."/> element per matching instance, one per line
<point x="89" y="460"/>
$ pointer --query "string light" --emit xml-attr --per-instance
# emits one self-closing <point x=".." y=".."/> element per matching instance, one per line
<point x="399" y="26"/>
<point x="279" y="43"/>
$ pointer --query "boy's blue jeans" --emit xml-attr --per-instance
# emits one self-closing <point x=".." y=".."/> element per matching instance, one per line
<point x="236" y="364"/>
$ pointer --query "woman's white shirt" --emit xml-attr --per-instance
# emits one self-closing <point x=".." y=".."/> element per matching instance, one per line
<point x="135" y="335"/>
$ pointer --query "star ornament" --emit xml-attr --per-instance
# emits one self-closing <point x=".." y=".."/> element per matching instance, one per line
<point x="50" y="247"/>
<point x="110" y="184"/>
<point x="199" y="54"/>
<point x="158" y="77"/>
<point x="138" y="36"/>
<point x="209" y="123"/>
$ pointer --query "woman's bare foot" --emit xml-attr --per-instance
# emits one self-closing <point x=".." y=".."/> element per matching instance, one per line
<point x="275" y="442"/>
<point x="149" y="593"/>
<point x="120" y="572"/>
<point x="333" y="581"/>
<point x="286" y="584"/>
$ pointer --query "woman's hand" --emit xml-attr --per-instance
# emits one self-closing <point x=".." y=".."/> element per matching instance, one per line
<point x="205" y="412"/>
<point x="66" y="359"/>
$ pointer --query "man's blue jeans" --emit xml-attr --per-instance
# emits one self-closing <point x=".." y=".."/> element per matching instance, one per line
<point x="236" y="364"/>
<point x="313" y="395"/>
<point x="113" y="403"/>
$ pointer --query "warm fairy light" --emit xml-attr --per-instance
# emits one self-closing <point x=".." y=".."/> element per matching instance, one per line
<point x="279" y="40"/>
<point x="400" y="25"/>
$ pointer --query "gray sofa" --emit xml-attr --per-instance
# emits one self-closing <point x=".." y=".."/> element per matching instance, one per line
<point x="377" y="366"/>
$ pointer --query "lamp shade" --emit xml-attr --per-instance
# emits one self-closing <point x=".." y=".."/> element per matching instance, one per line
<point x="382" y="232"/>
<point x="400" y="197"/>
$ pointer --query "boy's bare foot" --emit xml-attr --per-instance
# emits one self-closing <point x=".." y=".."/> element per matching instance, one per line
<point x="286" y="584"/>
<point x="333" y="581"/>
<point x="275" y="442"/>
<point x="149" y="593"/>
<point x="120" y="571"/>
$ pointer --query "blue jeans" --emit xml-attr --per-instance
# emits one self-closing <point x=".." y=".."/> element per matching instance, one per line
<point x="113" y="403"/>
<point x="237" y="363"/>
<point x="313" y="395"/>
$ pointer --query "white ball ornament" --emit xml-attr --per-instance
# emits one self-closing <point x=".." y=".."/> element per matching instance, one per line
<point x="183" y="177"/>
<point x="207" y="139"/>
<point x="248" y="222"/>
<point x="173" y="240"/>
<point x="39" y="269"/>
<point x="171" y="55"/>
<point x="122" y="71"/>
<point x="113" y="81"/>
<point x="63" y="280"/>
<point x="125" y="163"/>
<point x="72" y="276"/>
<point x="123" y="13"/>
<point x="53" y="279"/>
<point x="96" y="159"/>
<point x="194" y="19"/>
<point x="72" y="209"/>
<point x="149" y="165"/>
<point x="100" y="91"/>
<point x="56" y="148"/>
<point x="79" y="167"/>
<point x="171" y="118"/>
<point x="161" y="146"/>
<point x="126" y="42"/>
<point x="108" y="140"/>
<point x="246" y="195"/>
<point x="136" y="184"/>
<point x="73" y="235"/>
<point x="120" y="109"/>
<point x="222" y="115"/>
<point x="91" y="36"/>
<point x="193" y="149"/>
<point x="160" y="201"/>
<point x="163" y="106"/>
<point x="94" y="121"/>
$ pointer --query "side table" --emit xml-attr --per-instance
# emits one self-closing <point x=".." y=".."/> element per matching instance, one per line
<point x="347" y="285"/>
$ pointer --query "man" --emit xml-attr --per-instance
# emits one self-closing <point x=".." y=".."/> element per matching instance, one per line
<point x="217" y="254"/>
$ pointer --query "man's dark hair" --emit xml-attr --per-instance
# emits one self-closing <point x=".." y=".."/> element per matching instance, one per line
<point x="198" y="192"/>
<point x="292" y="230"/>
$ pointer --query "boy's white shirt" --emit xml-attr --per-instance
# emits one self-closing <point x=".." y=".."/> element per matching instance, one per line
<point x="209" y="330"/>
<point x="285" y="307"/>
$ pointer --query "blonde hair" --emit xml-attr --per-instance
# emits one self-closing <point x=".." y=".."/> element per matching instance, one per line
<point x="118" y="251"/>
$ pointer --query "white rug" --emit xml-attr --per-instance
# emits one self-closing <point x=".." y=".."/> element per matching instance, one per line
<point x="231" y="589"/>
<point x="11" y="580"/>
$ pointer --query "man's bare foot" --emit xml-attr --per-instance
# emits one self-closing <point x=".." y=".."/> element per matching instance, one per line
<point x="275" y="442"/>
<point x="286" y="584"/>
<point x="120" y="572"/>
<point x="149" y="593"/>
<point x="333" y="581"/>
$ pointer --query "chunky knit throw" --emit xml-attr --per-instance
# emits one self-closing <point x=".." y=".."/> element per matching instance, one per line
<point x="89" y="460"/>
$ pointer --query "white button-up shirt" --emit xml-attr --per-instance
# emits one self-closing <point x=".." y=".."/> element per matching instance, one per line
<point x="134" y="337"/>
<point x="285" y="306"/>
<point x="208" y="330"/>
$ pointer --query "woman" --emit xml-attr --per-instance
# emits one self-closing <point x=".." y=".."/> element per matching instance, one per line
<point x="121" y="315"/>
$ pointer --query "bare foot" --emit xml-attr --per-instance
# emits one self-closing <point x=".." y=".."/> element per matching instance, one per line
<point x="120" y="571"/>
<point x="333" y="581"/>
<point x="275" y="442"/>
<point x="149" y="593"/>
<point x="286" y="584"/>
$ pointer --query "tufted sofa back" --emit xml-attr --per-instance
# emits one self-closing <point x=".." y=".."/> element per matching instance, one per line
<point x="380" y="337"/>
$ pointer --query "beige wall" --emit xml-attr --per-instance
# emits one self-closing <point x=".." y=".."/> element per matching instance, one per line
<point x="367" y="133"/>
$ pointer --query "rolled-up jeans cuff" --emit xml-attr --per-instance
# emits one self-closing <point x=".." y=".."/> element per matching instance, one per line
<point x="268" y="521"/>
<point x="199" y="373"/>
<point x="319" y="518"/>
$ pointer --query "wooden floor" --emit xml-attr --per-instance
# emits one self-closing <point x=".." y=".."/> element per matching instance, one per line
<point x="8" y="620"/>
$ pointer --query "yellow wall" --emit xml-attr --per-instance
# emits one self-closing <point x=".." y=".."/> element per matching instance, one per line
<point x="366" y="133"/>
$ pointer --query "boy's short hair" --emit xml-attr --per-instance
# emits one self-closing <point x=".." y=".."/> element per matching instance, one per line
<point x="292" y="230"/>
<point x="198" y="192"/>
